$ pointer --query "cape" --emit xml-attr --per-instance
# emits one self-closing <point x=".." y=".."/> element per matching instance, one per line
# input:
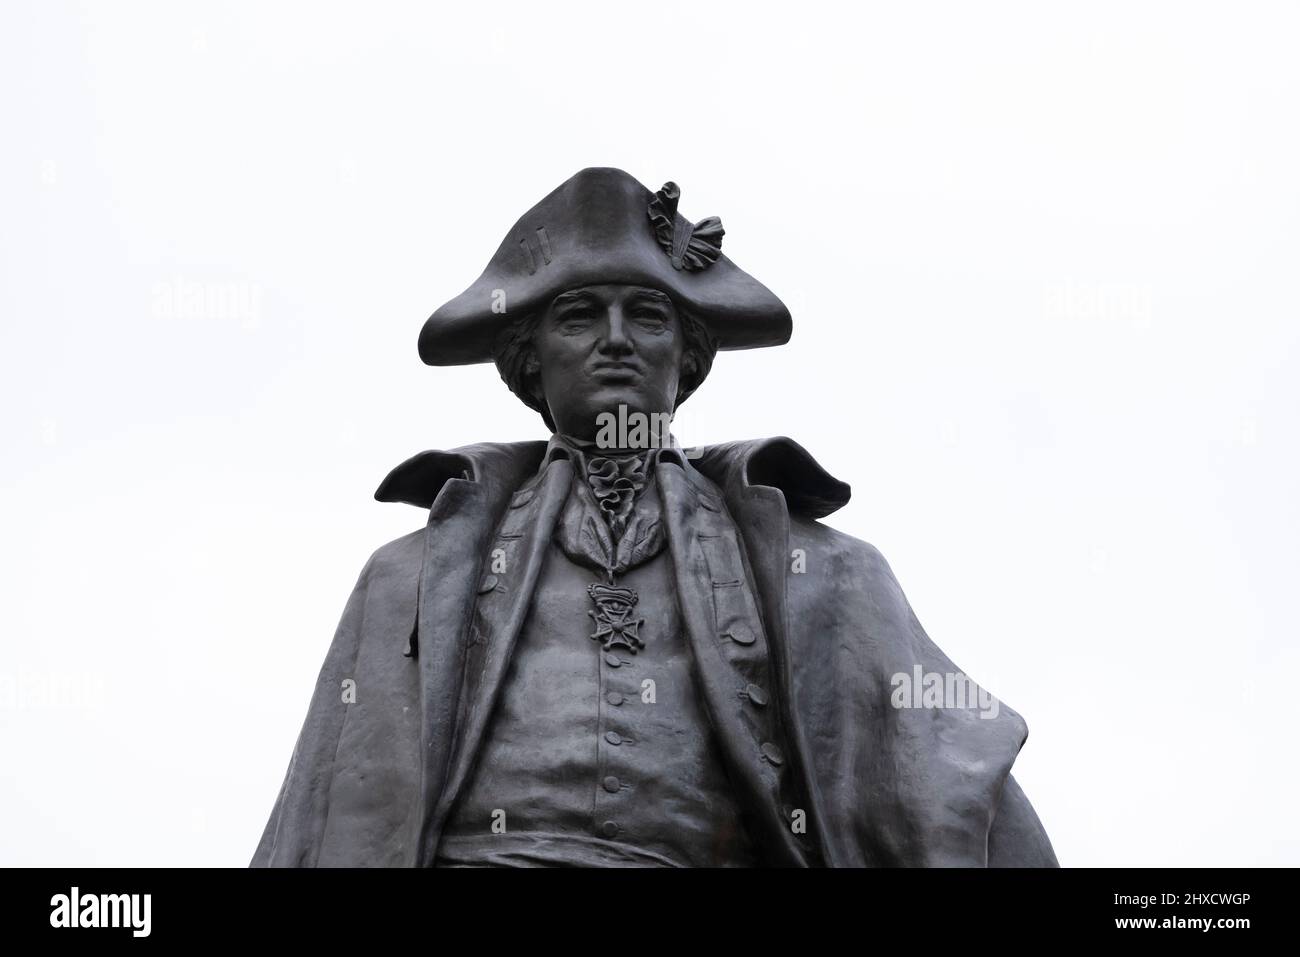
<point x="371" y="780"/>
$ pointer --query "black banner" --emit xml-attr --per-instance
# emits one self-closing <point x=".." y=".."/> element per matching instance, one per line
<point x="973" y="908"/>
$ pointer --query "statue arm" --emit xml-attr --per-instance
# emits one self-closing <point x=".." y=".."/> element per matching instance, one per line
<point x="357" y="756"/>
<point x="293" y="833"/>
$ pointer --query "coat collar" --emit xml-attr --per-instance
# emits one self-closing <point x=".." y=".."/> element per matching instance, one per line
<point x="780" y="462"/>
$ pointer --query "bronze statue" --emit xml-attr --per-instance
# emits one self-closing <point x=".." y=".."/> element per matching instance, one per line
<point x="604" y="649"/>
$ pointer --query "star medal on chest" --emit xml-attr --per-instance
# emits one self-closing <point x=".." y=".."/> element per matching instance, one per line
<point x="615" y="626"/>
<point x="615" y="483"/>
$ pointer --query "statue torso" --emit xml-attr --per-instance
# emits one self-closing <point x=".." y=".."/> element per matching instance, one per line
<point x="599" y="756"/>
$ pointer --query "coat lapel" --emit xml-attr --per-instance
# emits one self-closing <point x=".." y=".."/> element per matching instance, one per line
<point x="503" y="600"/>
<point x="461" y="519"/>
<point x="733" y="653"/>
<point x="764" y="524"/>
<point x="761" y="512"/>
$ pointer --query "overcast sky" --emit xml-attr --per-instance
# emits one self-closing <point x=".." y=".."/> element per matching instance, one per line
<point x="1042" y="267"/>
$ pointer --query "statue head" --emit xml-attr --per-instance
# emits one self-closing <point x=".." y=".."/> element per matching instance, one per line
<point x="603" y="295"/>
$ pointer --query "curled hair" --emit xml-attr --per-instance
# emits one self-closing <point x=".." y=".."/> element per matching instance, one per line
<point x="517" y="363"/>
<point x="516" y="360"/>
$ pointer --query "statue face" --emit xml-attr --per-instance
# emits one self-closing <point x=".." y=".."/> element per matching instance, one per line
<point x="600" y="347"/>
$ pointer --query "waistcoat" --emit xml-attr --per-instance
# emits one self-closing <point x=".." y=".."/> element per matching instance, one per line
<point x="597" y="756"/>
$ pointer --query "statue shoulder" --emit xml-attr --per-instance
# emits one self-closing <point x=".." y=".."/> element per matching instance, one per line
<point x="848" y="576"/>
<point x="838" y="549"/>
<point x="397" y="560"/>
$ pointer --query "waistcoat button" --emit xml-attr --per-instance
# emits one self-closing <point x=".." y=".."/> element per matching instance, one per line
<point x="740" y="634"/>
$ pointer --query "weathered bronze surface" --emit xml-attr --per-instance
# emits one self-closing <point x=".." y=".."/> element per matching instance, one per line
<point x="603" y="649"/>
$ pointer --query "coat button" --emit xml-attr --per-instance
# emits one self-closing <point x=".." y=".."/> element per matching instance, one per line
<point x="612" y="659"/>
<point x="772" y="753"/>
<point x="609" y="829"/>
<point x="615" y="698"/>
<point x="611" y="784"/>
<point x="756" y="695"/>
<point x="740" y="634"/>
<point x="488" y="584"/>
<point x="614" y="738"/>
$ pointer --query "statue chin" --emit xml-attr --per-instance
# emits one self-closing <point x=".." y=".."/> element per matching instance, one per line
<point x="623" y="420"/>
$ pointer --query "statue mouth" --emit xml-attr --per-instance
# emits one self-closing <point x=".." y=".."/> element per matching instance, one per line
<point x="615" y="372"/>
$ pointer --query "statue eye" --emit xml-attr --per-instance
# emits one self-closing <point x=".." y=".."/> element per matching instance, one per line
<point x="576" y="318"/>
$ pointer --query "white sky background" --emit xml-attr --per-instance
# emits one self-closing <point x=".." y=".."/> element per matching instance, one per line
<point x="1042" y="266"/>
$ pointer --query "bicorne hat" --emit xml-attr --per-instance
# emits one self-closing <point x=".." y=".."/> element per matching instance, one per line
<point x="602" y="226"/>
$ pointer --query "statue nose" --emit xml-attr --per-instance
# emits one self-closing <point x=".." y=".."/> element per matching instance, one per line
<point x="616" y="340"/>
